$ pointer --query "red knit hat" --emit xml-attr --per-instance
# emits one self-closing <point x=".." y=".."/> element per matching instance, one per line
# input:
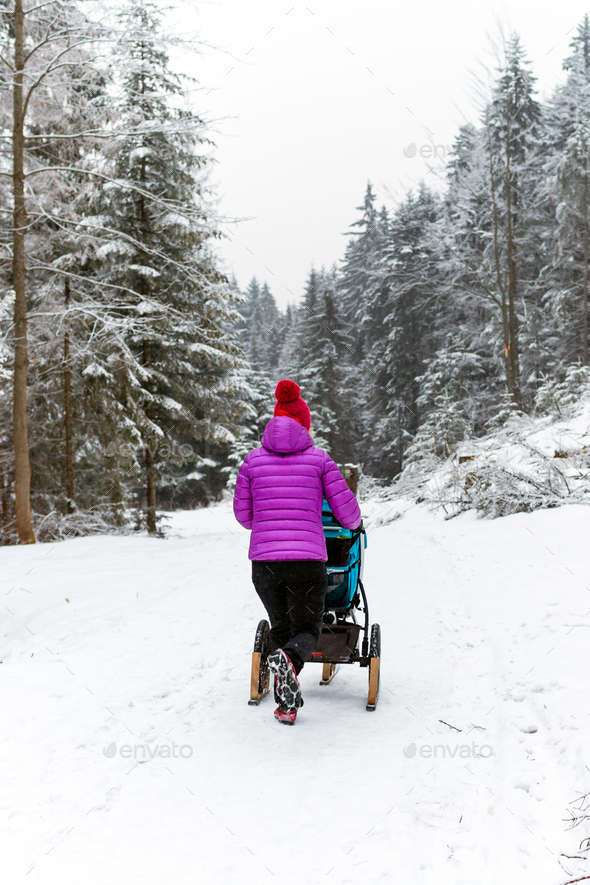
<point x="289" y="403"/>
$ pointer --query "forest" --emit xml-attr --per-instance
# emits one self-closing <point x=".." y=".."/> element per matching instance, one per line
<point x="135" y="372"/>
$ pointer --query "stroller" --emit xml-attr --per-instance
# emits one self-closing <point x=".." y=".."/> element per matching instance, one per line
<point x="339" y="641"/>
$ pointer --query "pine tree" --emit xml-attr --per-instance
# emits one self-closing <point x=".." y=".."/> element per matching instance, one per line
<point x="511" y="118"/>
<point x="260" y="327"/>
<point x="325" y="355"/>
<point x="259" y="336"/>
<point x="38" y="43"/>
<point x="401" y="340"/>
<point x="170" y="357"/>
<point x="491" y="241"/>
<point x="63" y="312"/>
<point x="364" y="304"/>
<point x="295" y="351"/>
<point x="356" y="278"/>
<point x="567" y="139"/>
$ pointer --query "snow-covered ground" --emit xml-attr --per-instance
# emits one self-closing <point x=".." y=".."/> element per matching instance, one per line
<point x="530" y="462"/>
<point x="121" y="646"/>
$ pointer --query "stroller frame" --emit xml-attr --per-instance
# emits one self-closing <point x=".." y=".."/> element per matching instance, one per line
<point x="339" y="640"/>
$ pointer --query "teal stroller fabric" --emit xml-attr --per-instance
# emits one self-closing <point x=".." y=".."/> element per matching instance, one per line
<point x="344" y="561"/>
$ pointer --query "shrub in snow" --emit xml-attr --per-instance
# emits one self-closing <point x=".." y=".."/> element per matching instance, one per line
<point x="439" y="435"/>
<point x="564" y="397"/>
<point x="578" y="813"/>
<point x="524" y="465"/>
<point x="56" y="526"/>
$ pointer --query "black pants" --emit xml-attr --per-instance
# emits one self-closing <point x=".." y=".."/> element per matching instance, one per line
<point x="293" y="593"/>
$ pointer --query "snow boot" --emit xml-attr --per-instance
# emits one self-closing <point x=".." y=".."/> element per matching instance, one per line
<point x="287" y="689"/>
<point x="277" y="698"/>
<point x="285" y="715"/>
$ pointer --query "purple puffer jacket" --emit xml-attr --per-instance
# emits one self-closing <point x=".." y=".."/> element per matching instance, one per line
<point x="279" y="494"/>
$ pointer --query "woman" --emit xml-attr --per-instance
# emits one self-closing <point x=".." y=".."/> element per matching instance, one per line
<point x="279" y="496"/>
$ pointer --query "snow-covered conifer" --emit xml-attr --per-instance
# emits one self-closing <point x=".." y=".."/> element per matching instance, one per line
<point x="171" y="307"/>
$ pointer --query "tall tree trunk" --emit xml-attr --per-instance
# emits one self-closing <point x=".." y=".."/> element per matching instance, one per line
<point x="508" y="364"/>
<point x="585" y="280"/>
<point x="5" y="500"/>
<point x="22" y="467"/>
<point x="511" y="344"/>
<point x="400" y="442"/>
<point x="68" y="411"/>
<point x="150" y="489"/>
<point x="504" y="295"/>
<point x="150" y="465"/>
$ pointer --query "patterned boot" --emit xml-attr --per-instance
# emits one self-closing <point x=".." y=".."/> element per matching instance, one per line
<point x="287" y="688"/>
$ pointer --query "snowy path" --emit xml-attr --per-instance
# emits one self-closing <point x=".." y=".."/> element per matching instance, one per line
<point x="485" y="625"/>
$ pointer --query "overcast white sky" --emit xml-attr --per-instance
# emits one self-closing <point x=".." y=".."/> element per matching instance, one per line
<point x="319" y="99"/>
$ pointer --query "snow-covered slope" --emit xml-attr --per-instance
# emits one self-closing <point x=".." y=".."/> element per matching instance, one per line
<point x="127" y="642"/>
<point x="528" y="463"/>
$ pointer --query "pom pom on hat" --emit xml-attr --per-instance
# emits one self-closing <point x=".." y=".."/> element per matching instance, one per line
<point x="290" y="404"/>
<point x="287" y="391"/>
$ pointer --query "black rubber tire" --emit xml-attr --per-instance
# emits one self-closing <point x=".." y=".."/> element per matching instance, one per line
<point x="262" y="645"/>
<point x="262" y="638"/>
<point x="374" y="662"/>
<point x="375" y="643"/>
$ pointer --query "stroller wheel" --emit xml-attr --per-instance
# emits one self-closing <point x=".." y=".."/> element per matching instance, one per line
<point x="260" y="676"/>
<point x="374" y="667"/>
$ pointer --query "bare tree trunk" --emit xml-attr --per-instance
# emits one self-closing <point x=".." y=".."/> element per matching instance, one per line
<point x="400" y="443"/>
<point x="22" y="467"/>
<point x="150" y="489"/>
<point x="585" y="281"/>
<point x="507" y="355"/>
<point x="68" y="411"/>
<point x="504" y="295"/>
<point x="5" y="500"/>
<point x="511" y="344"/>
<point x="150" y="466"/>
